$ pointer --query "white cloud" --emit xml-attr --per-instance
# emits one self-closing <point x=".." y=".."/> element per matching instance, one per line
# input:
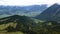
<point x="27" y="2"/>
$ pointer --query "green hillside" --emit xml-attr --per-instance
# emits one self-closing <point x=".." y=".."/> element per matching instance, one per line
<point x="25" y="25"/>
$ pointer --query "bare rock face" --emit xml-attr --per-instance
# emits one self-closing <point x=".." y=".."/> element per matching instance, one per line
<point x="50" y="14"/>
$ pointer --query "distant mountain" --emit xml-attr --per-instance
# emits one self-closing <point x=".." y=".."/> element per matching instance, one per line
<point x="22" y="10"/>
<point x="36" y="7"/>
<point x="50" y="14"/>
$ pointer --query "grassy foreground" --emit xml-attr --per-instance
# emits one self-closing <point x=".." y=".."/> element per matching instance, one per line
<point x="11" y="33"/>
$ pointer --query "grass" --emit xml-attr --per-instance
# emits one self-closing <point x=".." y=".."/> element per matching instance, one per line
<point x="11" y="33"/>
<point x="3" y="26"/>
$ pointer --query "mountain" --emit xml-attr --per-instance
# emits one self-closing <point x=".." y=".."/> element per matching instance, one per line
<point x="50" y="14"/>
<point x="22" y="10"/>
<point x="17" y="23"/>
<point x="16" y="18"/>
<point x="26" y="25"/>
<point x="36" y="7"/>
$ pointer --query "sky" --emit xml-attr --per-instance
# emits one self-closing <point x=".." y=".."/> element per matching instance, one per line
<point x="27" y="2"/>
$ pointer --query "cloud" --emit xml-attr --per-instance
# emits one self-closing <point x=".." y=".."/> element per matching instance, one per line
<point x="27" y="2"/>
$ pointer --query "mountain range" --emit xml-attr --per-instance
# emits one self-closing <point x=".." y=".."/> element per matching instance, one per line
<point x="22" y="10"/>
<point x="45" y="23"/>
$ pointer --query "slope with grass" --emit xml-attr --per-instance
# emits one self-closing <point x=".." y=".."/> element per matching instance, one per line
<point x="25" y="25"/>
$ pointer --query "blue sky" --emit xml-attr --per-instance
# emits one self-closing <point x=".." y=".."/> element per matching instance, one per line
<point x="27" y="2"/>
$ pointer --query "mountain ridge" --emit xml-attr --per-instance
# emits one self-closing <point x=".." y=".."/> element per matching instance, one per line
<point x="24" y="10"/>
<point x="50" y="14"/>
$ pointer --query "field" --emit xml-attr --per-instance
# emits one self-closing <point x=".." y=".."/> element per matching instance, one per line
<point x="3" y="26"/>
